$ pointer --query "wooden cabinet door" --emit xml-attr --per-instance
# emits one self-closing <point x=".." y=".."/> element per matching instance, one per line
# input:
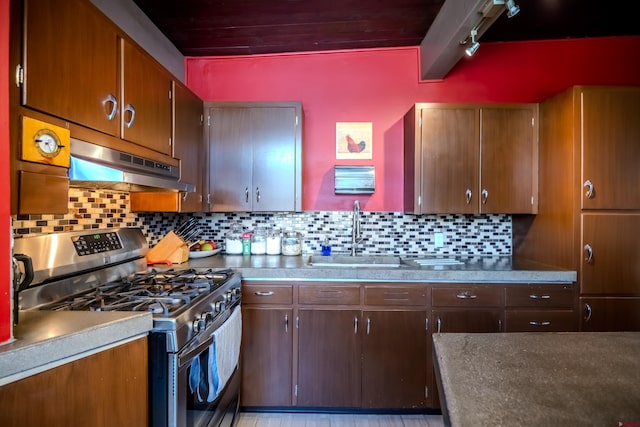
<point x="71" y="63"/>
<point x="273" y="139"/>
<point x="146" y="100"/>
<point x="507" y="160"/>
<point x="467" y="320"/>
<point x="329" y="349"/>
<point x="109" y="388"/>
<point x="611" y="250"/>
<point x="188" y="145"/>
<point x="267" y="356"/>
<point x="610" y="148"/>
<point x="230" y="159"/>
<point x="610" y="314"/>
<point x="394" y="347"/>
<point x="449" y="160"/>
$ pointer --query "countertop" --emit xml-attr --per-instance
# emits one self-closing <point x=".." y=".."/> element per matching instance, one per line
<point x="539" y="379"/>
<point x="492" y="269"/>
<point x="46" y="339"/>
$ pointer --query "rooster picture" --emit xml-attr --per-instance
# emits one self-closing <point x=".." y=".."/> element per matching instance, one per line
<point x="354" y="147"/>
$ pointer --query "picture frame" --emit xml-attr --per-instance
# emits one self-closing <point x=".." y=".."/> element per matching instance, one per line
<point x="354" y="140"/>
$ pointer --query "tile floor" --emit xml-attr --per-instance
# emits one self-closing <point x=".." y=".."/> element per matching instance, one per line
<point x="253" y="419"/>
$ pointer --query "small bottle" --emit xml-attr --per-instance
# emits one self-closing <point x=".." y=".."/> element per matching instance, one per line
<point x="326" y="246"/>
<point x="246" y="243"/>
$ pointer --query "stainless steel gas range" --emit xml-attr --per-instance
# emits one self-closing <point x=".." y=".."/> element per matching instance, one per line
<point x="195" y="342"/>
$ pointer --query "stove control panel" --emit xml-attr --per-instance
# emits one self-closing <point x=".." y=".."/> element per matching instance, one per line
<point x="89" y="244"/>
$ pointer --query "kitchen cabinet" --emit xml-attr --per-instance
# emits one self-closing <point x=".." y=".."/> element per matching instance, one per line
<point x="267" y="345"/>
<point x="329" y="346"/>
<point x="540" y="308"/>
<point x="467" y="308"/>
<point x="189" y="148"/>
<point x="105" y="389"/>
<point x="589" y="210"/>
<point x="470" y="159"/>
<point x="79" y="66"/>
<point x="254" y="156"/>
<point x="396" y="348"/>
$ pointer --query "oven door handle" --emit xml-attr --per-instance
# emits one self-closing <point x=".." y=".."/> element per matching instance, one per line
<point x="187" y="355"/>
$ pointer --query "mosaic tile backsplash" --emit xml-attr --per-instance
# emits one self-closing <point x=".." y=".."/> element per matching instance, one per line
<point x="383" y="232"/>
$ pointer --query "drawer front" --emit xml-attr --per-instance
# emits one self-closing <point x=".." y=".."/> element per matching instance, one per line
<point x="329" y="294"/>
<point x="539" y="296"/>
<point x="466" y="296"/>
<point x="395" y="295"/>
<point x="267" y="294"/>
<point x="540" y="321"/>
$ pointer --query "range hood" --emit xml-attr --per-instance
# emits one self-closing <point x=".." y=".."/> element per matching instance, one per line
<point x="94" y="166"/>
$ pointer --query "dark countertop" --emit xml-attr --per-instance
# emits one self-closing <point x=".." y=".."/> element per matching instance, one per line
<point x="495" y="269"/>
<point x="46" y="339"/>
<point x="539" y="379"/>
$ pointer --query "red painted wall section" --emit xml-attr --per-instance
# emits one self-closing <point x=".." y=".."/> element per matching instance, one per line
<point x="379" y="86"/>
<point x="5" y="218"/>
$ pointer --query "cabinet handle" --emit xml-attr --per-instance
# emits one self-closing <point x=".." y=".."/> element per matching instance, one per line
<point x="114" y="106"/>
<point x="590" y="190"/>
<point x="257" y="194"/>
<point x="466" y="296"/>
<point x="540" y="296"/>
<point x="588" y="312"/>
<point x="264" y="294"/>
<point x="129" y="108"/>
<point x="588" y="253"/>
<point x="469" y="194"/>
<point x="539" y="323"/>
<point x="485" y="196"/>
<point x="355" y="325"/>
<point x="286" y="323"/>
<point x="368" y="325"/>
<point x="246" y="194"/>
<point x="439" y="324"/>
<point x="426" y="324"/>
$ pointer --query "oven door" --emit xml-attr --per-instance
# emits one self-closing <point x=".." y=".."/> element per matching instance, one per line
<point x="197" y="402"/>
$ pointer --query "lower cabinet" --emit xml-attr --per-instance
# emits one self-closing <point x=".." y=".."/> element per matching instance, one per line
<point x="106" y="389"/>
<point x="601" y="314"/>
<point x="368" y="345"/>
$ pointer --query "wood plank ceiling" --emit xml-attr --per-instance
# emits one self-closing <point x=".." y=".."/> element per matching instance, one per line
<point x="247" y="27"/>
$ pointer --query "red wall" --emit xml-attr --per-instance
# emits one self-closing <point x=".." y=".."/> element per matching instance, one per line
<point x="5" y="251"/>
<point x="379" y="86"/>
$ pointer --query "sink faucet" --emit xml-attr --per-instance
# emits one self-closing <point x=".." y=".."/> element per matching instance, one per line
<point x="356" y="235"/>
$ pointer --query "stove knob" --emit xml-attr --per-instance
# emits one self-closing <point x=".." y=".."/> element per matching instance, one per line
<point x="208" y="318"/>
<point x="199" y="324"/>
<point x="228" y="296"/>
<point x="236" y="292"/>
<point x="219" y="306"/>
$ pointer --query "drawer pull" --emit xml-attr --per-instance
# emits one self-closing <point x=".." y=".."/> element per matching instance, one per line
<point x="588" y="311"/>
<point x="286" y="323"/>
<point x="540" y="296"/>
<point x="264" y="294"/>
<point x="466" y="296"/>
<point x="537" y="323"/>
<point x="590" y="190"/>
<point x="368" y="325"/>
<point x="439" y="324"/>
<point x="355" y="325"/>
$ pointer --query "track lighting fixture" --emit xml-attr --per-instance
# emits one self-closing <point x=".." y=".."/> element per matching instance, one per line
<point x="471" y="50"/>
<point x="512" y="8"/>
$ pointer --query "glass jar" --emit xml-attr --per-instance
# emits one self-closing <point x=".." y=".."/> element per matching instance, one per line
<point x="259" y="242"/>
<point x="233" y="241"/>
<point x="291" y="243"/>
<point x="274" y="241"/>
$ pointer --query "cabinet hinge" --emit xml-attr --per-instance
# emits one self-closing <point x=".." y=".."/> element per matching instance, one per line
<point x="201" y="119"/>
<point x="420" y="122"/>
<point x="209" y="121"/>
<point x="19" y="75"/>
<point x="295" y="390"/>
<point x="297" y="122"/>
<point x="419" y="200"/>
<point x="533" y="121"/>
<point x="531" y="200"/>
<point x="170" y="142"/>
<point x="426" y="392"/>
<point x="426" y="324"/>
<point x="170" y="94"/>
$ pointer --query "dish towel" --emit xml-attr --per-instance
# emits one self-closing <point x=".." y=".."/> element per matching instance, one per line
<point x="224" y="353"/>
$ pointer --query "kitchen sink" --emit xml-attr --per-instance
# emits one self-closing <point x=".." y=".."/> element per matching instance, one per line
<point x="355" y="261"/>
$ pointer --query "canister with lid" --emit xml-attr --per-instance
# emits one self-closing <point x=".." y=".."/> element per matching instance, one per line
<point x="274" y="241"/>
<point x="291" y="243"/>
<point x="259" y="241"/>
<point x="233" y="241"/>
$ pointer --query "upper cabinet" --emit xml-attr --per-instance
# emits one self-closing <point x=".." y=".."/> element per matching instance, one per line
<point x="255" y="156"/>
<point x="78" y="66"/>
<point x="610" y="148"/>
<point x="469" y="159"/>
<point x="70" y="63"/>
